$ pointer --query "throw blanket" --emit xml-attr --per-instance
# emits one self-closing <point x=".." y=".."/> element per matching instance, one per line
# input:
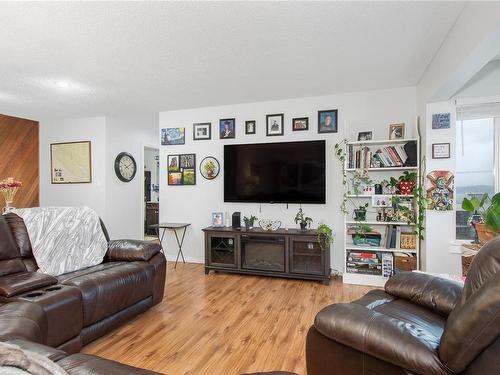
<point x="64" y="239"/>
<point x="14" y="360"/>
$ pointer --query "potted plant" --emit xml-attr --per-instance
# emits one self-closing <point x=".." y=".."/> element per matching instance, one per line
<point x="360" y="213"/>
<point x="364" y="235"/>
<point x="475" y="205"/>
<point x="249" y="221"/>
<point x="491" y="226"/>
<point x="407" y="182"/>
<point x="390" y="186"/>
<point x="325" y="235"/>
<point x="303" y="220"/>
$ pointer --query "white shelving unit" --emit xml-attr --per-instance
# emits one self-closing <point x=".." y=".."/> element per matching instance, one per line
<point x="356" y="200"/>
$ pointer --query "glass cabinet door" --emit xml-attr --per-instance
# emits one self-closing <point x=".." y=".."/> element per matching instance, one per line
<point x="306" y="256"/>
<point x="222" y="250"/>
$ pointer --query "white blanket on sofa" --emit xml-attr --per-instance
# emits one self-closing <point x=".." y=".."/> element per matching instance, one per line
<point x="64" y="239"/>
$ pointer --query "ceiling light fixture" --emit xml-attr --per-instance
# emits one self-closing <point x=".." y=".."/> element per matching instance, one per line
<point x="61" y="84"/>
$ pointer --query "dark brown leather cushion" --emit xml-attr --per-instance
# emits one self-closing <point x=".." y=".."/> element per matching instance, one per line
<point x="23" y="320"/>
<point x="111" y="287"/>
<point x="46" y="351"/>
<point x="398" y="332"/>
<point x="83" y="364"/>
<point x="17" y="283"/>
<point x="438" y="294"/>
<point x="131" y="250"/>
<point x="20" y="234"/>
<point x="11" y="266"/>
<point x="8" y="247"/>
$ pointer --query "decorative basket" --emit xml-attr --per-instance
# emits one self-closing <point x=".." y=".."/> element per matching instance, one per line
<point x="405" y="263"/>
<point x="408" y="241"/>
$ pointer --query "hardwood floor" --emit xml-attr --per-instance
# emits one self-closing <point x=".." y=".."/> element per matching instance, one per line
<point x="223" y="324"/>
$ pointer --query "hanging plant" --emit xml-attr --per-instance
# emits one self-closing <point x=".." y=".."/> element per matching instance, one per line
<point x="341" y="156"/>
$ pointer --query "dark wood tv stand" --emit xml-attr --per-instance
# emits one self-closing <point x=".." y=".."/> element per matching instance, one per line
<point x="288" y="253"/>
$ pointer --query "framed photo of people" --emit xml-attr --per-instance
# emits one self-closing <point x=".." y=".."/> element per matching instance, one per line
<point x="181" y="169"/>
<point x="227" y="128"/>
<point x="328" y="121"/>
<point x="202" y="131"/>
<point x="274" y="124"/>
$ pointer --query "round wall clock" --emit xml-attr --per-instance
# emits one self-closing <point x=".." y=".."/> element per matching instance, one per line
<point x="209" y="167"/>
<point x="125" y="167"/>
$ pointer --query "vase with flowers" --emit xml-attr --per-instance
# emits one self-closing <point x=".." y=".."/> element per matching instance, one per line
<point x="9" y="188"/>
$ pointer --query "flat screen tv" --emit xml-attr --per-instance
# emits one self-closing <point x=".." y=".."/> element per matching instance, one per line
<point x="288" y="172"/>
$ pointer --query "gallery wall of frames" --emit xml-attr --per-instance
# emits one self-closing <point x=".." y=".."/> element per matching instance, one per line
<point x="191" y="188"/>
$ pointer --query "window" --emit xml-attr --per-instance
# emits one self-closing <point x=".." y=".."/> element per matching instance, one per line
<point x="476" y="159"/>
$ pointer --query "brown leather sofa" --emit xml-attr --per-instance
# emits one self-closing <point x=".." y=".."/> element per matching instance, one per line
<point x="66" y="312"/>
<point x="420" y="324"/>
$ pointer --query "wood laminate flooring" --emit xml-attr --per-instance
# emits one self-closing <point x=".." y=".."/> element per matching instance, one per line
<point x="223" y="324"/>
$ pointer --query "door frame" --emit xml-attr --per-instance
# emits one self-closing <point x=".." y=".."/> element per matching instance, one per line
<point x="142" y="169"/>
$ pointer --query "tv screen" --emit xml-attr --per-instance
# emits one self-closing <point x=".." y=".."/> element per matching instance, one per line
<point x="288" y="172"/>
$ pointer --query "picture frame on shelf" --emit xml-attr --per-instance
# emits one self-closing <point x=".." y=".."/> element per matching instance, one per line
<point x="396" y="131"/>
<point x="173" y="136"/>
<point x="227" y="128"/>
<point x="365" y="136"/>
<point x="328" y="121"/>
<point x="274" y="124"/>
<point x="217" y="219"/>
<point x="250" y="127"/>
<point x="202" y="131"/>
<point x="300" y="123"/>
<point x="380" y="201"/>
<point x="440" y="150"/>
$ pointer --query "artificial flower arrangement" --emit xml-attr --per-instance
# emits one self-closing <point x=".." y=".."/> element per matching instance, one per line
<point x="9" y="188"/>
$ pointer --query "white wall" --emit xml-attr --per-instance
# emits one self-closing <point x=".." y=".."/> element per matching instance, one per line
<point x="486" y="83"/>
<point x="364" y="111"/>
<point x="91" y="129"/>
<point x="119" y="204"/>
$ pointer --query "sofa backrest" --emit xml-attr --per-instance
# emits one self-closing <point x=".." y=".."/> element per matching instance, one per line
<point x="474" y="324"/>
<point x="10" y="256"/>
<point x="20" y="235"/>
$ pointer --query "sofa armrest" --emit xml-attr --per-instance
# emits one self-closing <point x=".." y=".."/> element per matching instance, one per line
<point x="23" y="320"/>
<point x="380" y="336"/>
<point x="21" y="282"/>
<point x="132" y="250"/>
<point x="435" y="293"/>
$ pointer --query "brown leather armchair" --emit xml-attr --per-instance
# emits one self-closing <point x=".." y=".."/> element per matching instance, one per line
<point x="420" y="324"/>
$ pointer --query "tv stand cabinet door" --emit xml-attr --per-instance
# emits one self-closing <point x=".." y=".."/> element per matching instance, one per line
<point x="222" y="250"/>
<point x="306" y="256"/>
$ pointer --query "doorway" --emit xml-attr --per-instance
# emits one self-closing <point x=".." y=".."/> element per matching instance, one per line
<point x="151" y="191"/>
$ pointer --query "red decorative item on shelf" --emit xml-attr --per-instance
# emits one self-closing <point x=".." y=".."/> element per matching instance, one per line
<point x="406" y="187"/>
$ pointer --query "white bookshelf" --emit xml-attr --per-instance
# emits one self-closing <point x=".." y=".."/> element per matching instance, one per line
<point x="355" y="200"/>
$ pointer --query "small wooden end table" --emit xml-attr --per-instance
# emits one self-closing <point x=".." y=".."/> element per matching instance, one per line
<point x="173" y="227"/>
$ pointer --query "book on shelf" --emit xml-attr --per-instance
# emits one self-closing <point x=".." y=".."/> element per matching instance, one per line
<point x="386" y="156"/>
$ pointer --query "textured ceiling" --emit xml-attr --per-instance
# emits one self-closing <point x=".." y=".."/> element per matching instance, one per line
<point x="136" y="57"/>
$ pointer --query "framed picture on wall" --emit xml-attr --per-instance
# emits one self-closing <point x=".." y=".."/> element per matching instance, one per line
<point x="250" y="127"/>
<point x="441" y="120"/>
<point x="227" y="128"/>
<point x="327" y="121"/>
<point x="71" y="163"/>
<point x="181" y="169"/>
<point x="301" y="123"/>
<point x="274" y="124"/>
<point x="173" y="136"/>
<point x="202" y="131"/>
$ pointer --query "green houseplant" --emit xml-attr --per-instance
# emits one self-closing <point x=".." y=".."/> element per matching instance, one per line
<point x="249" y="221"/>
<point x="303" y="220"/>
<point x="325" y="235"/>
<point x="407" y="182"/>
<point x="364" y="235"/>
<point x="491" y="226"/>
<point x="360" y="213"/>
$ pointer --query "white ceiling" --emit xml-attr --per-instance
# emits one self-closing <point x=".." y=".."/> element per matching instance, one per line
<point x="152" y="56"/>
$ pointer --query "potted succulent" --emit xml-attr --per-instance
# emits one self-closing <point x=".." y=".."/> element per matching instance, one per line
<point x="407" y="182"/>
<point x="475" y="205"/>
<point x="303" y="220"/>
<point x="325" y="235"/>
<point x="360" y="213"/>
<point x="249" y="221"/>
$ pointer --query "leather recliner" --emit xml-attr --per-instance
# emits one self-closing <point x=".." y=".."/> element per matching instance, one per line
<point x="420" y="324"/>
<point x="71" y="310"/>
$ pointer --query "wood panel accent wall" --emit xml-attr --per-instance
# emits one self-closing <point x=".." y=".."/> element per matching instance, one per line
<point x="19" y="158"/>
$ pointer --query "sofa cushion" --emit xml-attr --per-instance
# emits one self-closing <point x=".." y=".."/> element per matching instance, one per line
<point x="8" y="247"/>
<point x="87" y="364"/>
<point x="23" y="320"/>
<point x="132" y="250"/>
<point x="20" y="234"/>
<point x="111" y="287"/>
<point x="21" y="282"/>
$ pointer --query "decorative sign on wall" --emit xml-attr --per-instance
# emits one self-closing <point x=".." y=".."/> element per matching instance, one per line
<point x="209" y="167"/>
<point x="173" y="136"/>
<point x="181" y="169"/>
<point x="440" y="150"/>
<point x="441" y="121"/>
<point x="70" y="163"/>
<point x="440" y="190"/>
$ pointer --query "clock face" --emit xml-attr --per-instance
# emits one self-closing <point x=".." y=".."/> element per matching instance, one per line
<point x="125" y="167"/>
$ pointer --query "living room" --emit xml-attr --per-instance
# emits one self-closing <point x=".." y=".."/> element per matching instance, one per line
<point x="249" y="187"/>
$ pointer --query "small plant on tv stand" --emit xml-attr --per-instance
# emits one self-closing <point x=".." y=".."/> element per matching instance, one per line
<point x="325" y="235"/>
<point x="303" y="220"/>
<point x="249" y="221"/>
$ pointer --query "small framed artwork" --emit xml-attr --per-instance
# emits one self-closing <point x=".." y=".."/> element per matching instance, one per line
<point x="365" y="136"/>
<point x="209" y="167"/>
<point x="173" y="136"/>
<point x="202" y="131"/>
<point x="274" y="124"/>
<point x="181" y="169"/>
<point x="441" y="121"/>
<point x="382" y="201"/>
<point x="327" y="121"/>
<point x="250" y="127"/>
<point x="227" y="128"/>
<point x="396" y="131"/>
<point x="71" y="163"/>
<point x="217" y="219"/>
<point x="301" y="123"/>
<point x="440" y="150"/>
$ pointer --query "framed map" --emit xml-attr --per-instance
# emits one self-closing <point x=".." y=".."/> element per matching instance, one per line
<point x="70" y="163"/>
